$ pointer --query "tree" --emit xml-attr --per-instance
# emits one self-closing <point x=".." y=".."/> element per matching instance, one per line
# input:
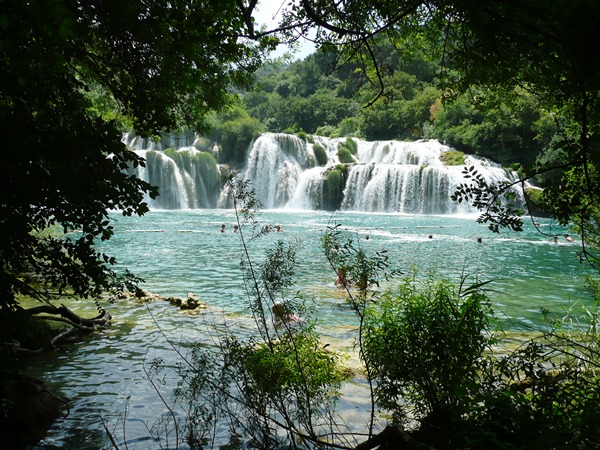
<point x="159" y="63"/>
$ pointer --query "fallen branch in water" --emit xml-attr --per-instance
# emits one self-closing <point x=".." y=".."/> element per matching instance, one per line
<point x="64" y="315"/>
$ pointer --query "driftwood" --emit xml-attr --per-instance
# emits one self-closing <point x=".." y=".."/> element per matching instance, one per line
<point x="64" y="315"/>
<point x="394" y="438"/>
<point x="70" y="317"/>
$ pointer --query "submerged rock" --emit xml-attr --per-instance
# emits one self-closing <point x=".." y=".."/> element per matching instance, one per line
<point x="190" y="302"/>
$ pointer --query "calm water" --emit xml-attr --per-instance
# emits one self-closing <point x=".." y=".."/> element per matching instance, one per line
<point x="180" y="252"/>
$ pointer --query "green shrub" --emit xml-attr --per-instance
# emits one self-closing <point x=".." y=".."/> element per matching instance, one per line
<point x="320" y="154"/>
<point x="208" y="168"/>
<point x="296" y="363"/>
<point x="425" y="346"/>
<point x="170" y="152"/>
<point x="453" y="158"/>
<point x="536" y="196"/>
<point x="351" y="145"/>
<point x="326" y="130"/>
<point x="204" y="144"/>
<point x="237" y="136"/>
<point x="345" y="155"/>
<point x="350" y="126"/>
<point x="334" y="181"/>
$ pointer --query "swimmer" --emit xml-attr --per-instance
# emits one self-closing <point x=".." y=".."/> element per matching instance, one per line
<point x="479" y="240"/>
<point x="223" y="228"/>
<point x="235" y="228"/>
<point x="569" y="238"/>
<point x="282" y="315"/>
<point x="555" y="239"/>
<point x="430" y="236"/>
<point x="342" y="279"/>
<point x="278" y="228"/>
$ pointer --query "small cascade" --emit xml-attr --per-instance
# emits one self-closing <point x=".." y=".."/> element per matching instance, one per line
<point x="398" y="152"/>
<point x="274" y="165"/>
<point x="309" y="190"/>
<point x="187" y="178"/>
<point x="387" y="176"/>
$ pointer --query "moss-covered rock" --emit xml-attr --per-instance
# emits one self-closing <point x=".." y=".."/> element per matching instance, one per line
<point x="453" y="158"/>
<point x="320" y="154"/>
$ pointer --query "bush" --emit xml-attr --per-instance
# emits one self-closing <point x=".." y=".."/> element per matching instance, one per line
<point x="334" y="181"/>
<point x="305" y="137"/>
<point x="351" y="145"/>
<point x="425" y="345"/>
<point x="204" y="144"/>
<point x="208" y="168"/>
<point x="237" y="136"/>
<point x="170" y="152"/>
<point x="326" y="130"/>
<point x="297" y="362"/>
<point x="536" y="196"/>
<point x="345" y="155"/>
<point x="320" y="154"/>
<point x="350" y="126"/>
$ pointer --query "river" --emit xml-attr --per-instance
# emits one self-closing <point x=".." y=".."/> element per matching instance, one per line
<point x="182" y="251"/>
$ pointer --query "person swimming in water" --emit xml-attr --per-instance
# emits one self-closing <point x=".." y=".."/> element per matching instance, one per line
<point x="282" y="315"/>
<point x="223" y="228"/>
<point x="342" y="279"/>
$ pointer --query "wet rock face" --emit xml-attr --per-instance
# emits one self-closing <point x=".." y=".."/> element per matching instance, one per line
<point x="27" y="411"/>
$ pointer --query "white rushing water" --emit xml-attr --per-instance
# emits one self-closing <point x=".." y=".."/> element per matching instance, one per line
<point x="387" y="176"/>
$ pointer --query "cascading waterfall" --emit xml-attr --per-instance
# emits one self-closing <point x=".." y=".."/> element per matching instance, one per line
<point x="187" y="178"/>
<point x="387" y="176"/>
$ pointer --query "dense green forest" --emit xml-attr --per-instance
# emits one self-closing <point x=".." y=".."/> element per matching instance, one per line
<point x="311" y="96"/>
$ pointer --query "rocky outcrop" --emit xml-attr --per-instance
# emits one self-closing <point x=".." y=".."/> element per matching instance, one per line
<point x="190" y="302"/>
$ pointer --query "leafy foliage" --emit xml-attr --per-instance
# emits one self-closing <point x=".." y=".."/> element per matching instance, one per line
<point x="320" y="154"/>
<point x="494" y="200"/>
<point x="453" y="158"/>
<point x="281" y="379"/>
<point x="345" y="155"/>
<point x="425" y="345"/>
<point x="65" y="67"/>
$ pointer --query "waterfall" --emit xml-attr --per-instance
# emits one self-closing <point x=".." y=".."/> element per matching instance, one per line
<point x="187" y="178"/>
<point x="274" y="165"/>
<point x="387" y="176"/>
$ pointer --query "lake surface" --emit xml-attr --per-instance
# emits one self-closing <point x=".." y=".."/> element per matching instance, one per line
<point x="181" y="252"/>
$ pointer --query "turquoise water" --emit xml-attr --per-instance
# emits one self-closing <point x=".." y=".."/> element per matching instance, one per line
<point x="180" y="252"/>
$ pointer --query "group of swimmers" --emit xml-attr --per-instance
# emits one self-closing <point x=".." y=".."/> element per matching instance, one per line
<point x="235" y="228"/>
